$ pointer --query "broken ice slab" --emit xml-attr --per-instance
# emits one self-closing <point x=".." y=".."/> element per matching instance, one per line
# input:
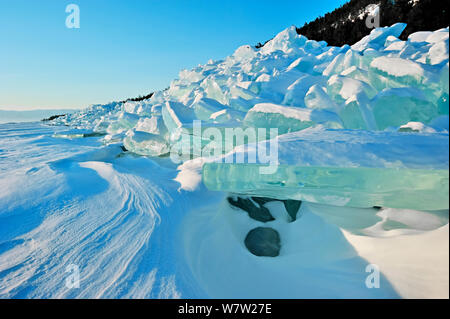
<point x="275" y="88"/>
<point x="296" y="92"/>
<point x="342" y="167"/>
<point x="395" y="107"/>
<point x="419" y="189"/>
<point x="177" y="116"/>
<point x="205" y="107"/>
<point x="342" y="88"/>
<point x="289" y="119"/>
<point x="153" y="125"/>
<point x="355" y="114"/>
<point x="77" y="133"/>
<point x="125" y="121"/>
<point x="386" y="72"/>
<point x="317" y="98"/>
<point x="144" y="143"/>
<point x="214" y="91"/>
<point x="355" y="148"/>
<point x="377" y="37"/>
<point x="210" y="110"/>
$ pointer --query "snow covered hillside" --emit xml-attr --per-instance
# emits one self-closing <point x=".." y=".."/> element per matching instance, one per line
<point x="143" y="201"/>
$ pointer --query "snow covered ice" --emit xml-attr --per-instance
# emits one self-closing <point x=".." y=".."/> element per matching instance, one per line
<point x="362" y="143"/>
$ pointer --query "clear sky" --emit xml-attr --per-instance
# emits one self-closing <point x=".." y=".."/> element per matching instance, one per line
<point x="126" y="48"/>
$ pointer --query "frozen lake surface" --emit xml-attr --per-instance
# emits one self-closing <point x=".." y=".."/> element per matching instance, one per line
<point x="133" y="232"/>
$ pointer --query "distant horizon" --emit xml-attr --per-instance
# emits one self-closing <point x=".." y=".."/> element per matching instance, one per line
<point x="27" y="108"/>
<point x="33" y="115"/>
<point x="124" y="50"/>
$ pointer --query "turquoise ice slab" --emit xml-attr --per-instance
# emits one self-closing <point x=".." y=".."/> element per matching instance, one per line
<point x="320" y="147"/>
<point x="356" y="168"/>
<point x="420" y="189"/>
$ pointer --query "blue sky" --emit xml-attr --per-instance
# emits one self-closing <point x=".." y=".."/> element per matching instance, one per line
<point x="126" y="48"/>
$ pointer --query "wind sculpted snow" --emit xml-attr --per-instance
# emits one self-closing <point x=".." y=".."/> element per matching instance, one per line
<point x="133" y="233"/>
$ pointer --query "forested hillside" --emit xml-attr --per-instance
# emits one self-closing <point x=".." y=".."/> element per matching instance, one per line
<point x="347" y="24"/>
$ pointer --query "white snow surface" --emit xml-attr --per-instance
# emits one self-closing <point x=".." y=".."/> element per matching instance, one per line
<point x="397" y="66"/>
